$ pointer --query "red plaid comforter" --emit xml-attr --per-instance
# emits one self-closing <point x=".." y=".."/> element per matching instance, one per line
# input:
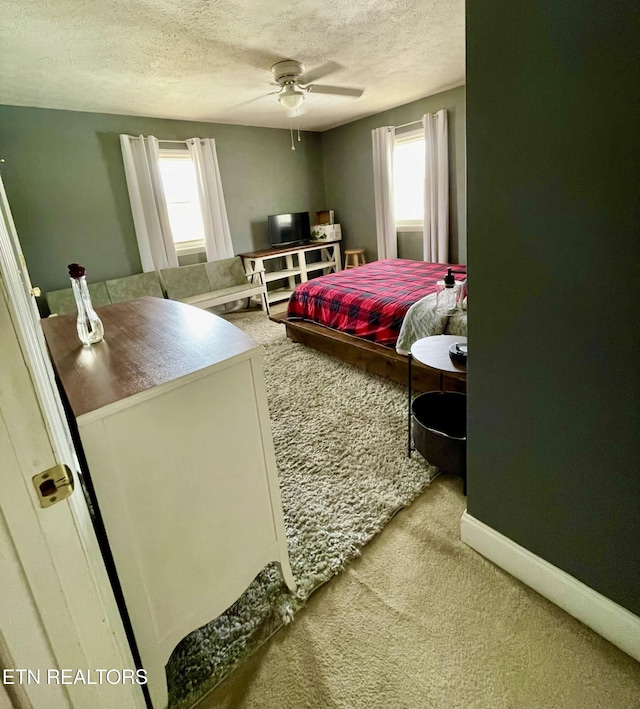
<point x="369" y="301"/>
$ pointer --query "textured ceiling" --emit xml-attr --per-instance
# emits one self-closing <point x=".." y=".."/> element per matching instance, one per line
<point x="210" y="60"/>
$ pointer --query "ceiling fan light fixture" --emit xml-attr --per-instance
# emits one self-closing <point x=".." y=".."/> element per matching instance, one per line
<point x="291" y="99"/>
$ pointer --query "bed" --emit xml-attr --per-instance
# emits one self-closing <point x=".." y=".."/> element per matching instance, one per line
<point x="422" y="320"/>
<point x="371" y="314"/>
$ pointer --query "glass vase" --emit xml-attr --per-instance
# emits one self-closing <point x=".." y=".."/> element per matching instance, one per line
<point x="90" y="328"/>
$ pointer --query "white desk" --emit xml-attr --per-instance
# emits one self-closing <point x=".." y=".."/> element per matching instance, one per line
<point x="295" y="267"/>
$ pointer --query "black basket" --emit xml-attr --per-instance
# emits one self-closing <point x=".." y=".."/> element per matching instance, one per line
<point x="440" y="429"/>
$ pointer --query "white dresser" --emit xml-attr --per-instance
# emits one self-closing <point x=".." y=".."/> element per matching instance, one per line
<point x="172" y="416"/>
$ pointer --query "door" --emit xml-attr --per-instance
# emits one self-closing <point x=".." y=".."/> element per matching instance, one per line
<point x="62" y="643"/>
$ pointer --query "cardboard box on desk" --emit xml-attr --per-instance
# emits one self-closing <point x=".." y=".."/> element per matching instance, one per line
<point x="326" y="232"/>
<point x="325" y="217"/>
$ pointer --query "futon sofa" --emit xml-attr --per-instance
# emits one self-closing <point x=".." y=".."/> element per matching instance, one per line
<point x="213" y="283"/>
<point x="203" y="285"/>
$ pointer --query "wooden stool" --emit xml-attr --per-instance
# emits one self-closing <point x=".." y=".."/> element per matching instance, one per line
<point x="353" y="258"/>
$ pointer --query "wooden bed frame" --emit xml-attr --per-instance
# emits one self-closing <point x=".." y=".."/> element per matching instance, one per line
<point x="374" y="358"/>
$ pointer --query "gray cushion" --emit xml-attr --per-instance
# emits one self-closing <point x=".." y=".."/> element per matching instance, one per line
<point x="185" y="281"/>
<point x="62" y="302"/>
<point x="135" y="286"/>
<point x="225" y="273"/>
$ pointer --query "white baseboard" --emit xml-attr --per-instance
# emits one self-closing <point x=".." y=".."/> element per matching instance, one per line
<point x="612" y="621"/>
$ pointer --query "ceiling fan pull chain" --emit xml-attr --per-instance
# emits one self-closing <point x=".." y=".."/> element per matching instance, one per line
<point x="298" y="134"/>
<point x="293" y="147"/>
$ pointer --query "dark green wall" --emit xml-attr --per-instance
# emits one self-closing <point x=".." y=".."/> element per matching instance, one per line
<point x="553" y="166"/>
<point x="348" y="172"/>
<point x="64" y="177"/>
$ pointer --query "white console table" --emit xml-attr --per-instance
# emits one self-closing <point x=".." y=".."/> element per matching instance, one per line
<point x="292" y="265"/>
<point x="171" y="413"/>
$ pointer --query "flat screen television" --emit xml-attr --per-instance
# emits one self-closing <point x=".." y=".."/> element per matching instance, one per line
<point x="286" y="229"/>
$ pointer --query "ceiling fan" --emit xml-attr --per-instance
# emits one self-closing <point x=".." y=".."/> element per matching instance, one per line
<point x="294" y="84"/>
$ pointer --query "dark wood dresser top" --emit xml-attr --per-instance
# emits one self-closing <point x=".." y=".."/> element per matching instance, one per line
<point x="147" y="342"/>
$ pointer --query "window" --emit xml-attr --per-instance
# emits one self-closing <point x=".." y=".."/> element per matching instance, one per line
<point x="408" y="180"/>
<point x="183" y="203"/>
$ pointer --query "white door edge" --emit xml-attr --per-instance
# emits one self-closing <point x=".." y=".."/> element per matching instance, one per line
<point x="57" y="553"/>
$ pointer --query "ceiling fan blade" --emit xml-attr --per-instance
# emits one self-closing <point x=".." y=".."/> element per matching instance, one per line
<point x="253" y="100"/>
<point x="320" y="71"/>
<point x="335" y="90"/>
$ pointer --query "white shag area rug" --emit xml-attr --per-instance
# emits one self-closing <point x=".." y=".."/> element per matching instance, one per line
<point x="340" y="441"/>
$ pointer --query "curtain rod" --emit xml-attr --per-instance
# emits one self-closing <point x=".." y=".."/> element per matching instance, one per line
<point x="183" y="142"/>
<point x="404" y="125"/>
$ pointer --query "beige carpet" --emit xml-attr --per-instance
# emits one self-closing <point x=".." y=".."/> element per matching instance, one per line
<point x="421" y="620"/>
<point x="339" y="436"/>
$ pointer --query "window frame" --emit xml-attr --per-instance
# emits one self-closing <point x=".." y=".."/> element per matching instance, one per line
<point x="409" y="225"/>
<point x="194" y="246"/>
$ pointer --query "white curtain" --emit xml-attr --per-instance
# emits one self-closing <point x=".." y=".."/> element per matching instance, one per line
<point x="436" y="188"/>
<point x="150" y="218"/>
<point x="383" y="144"/>
<point x="217" y="235"/>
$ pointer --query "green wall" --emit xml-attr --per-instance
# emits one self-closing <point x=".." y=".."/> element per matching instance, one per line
<point x="348" y="173"/>
<point x="65" y="181"/>
<point x="64" y="177"/>
<point x="553" y="165"/>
